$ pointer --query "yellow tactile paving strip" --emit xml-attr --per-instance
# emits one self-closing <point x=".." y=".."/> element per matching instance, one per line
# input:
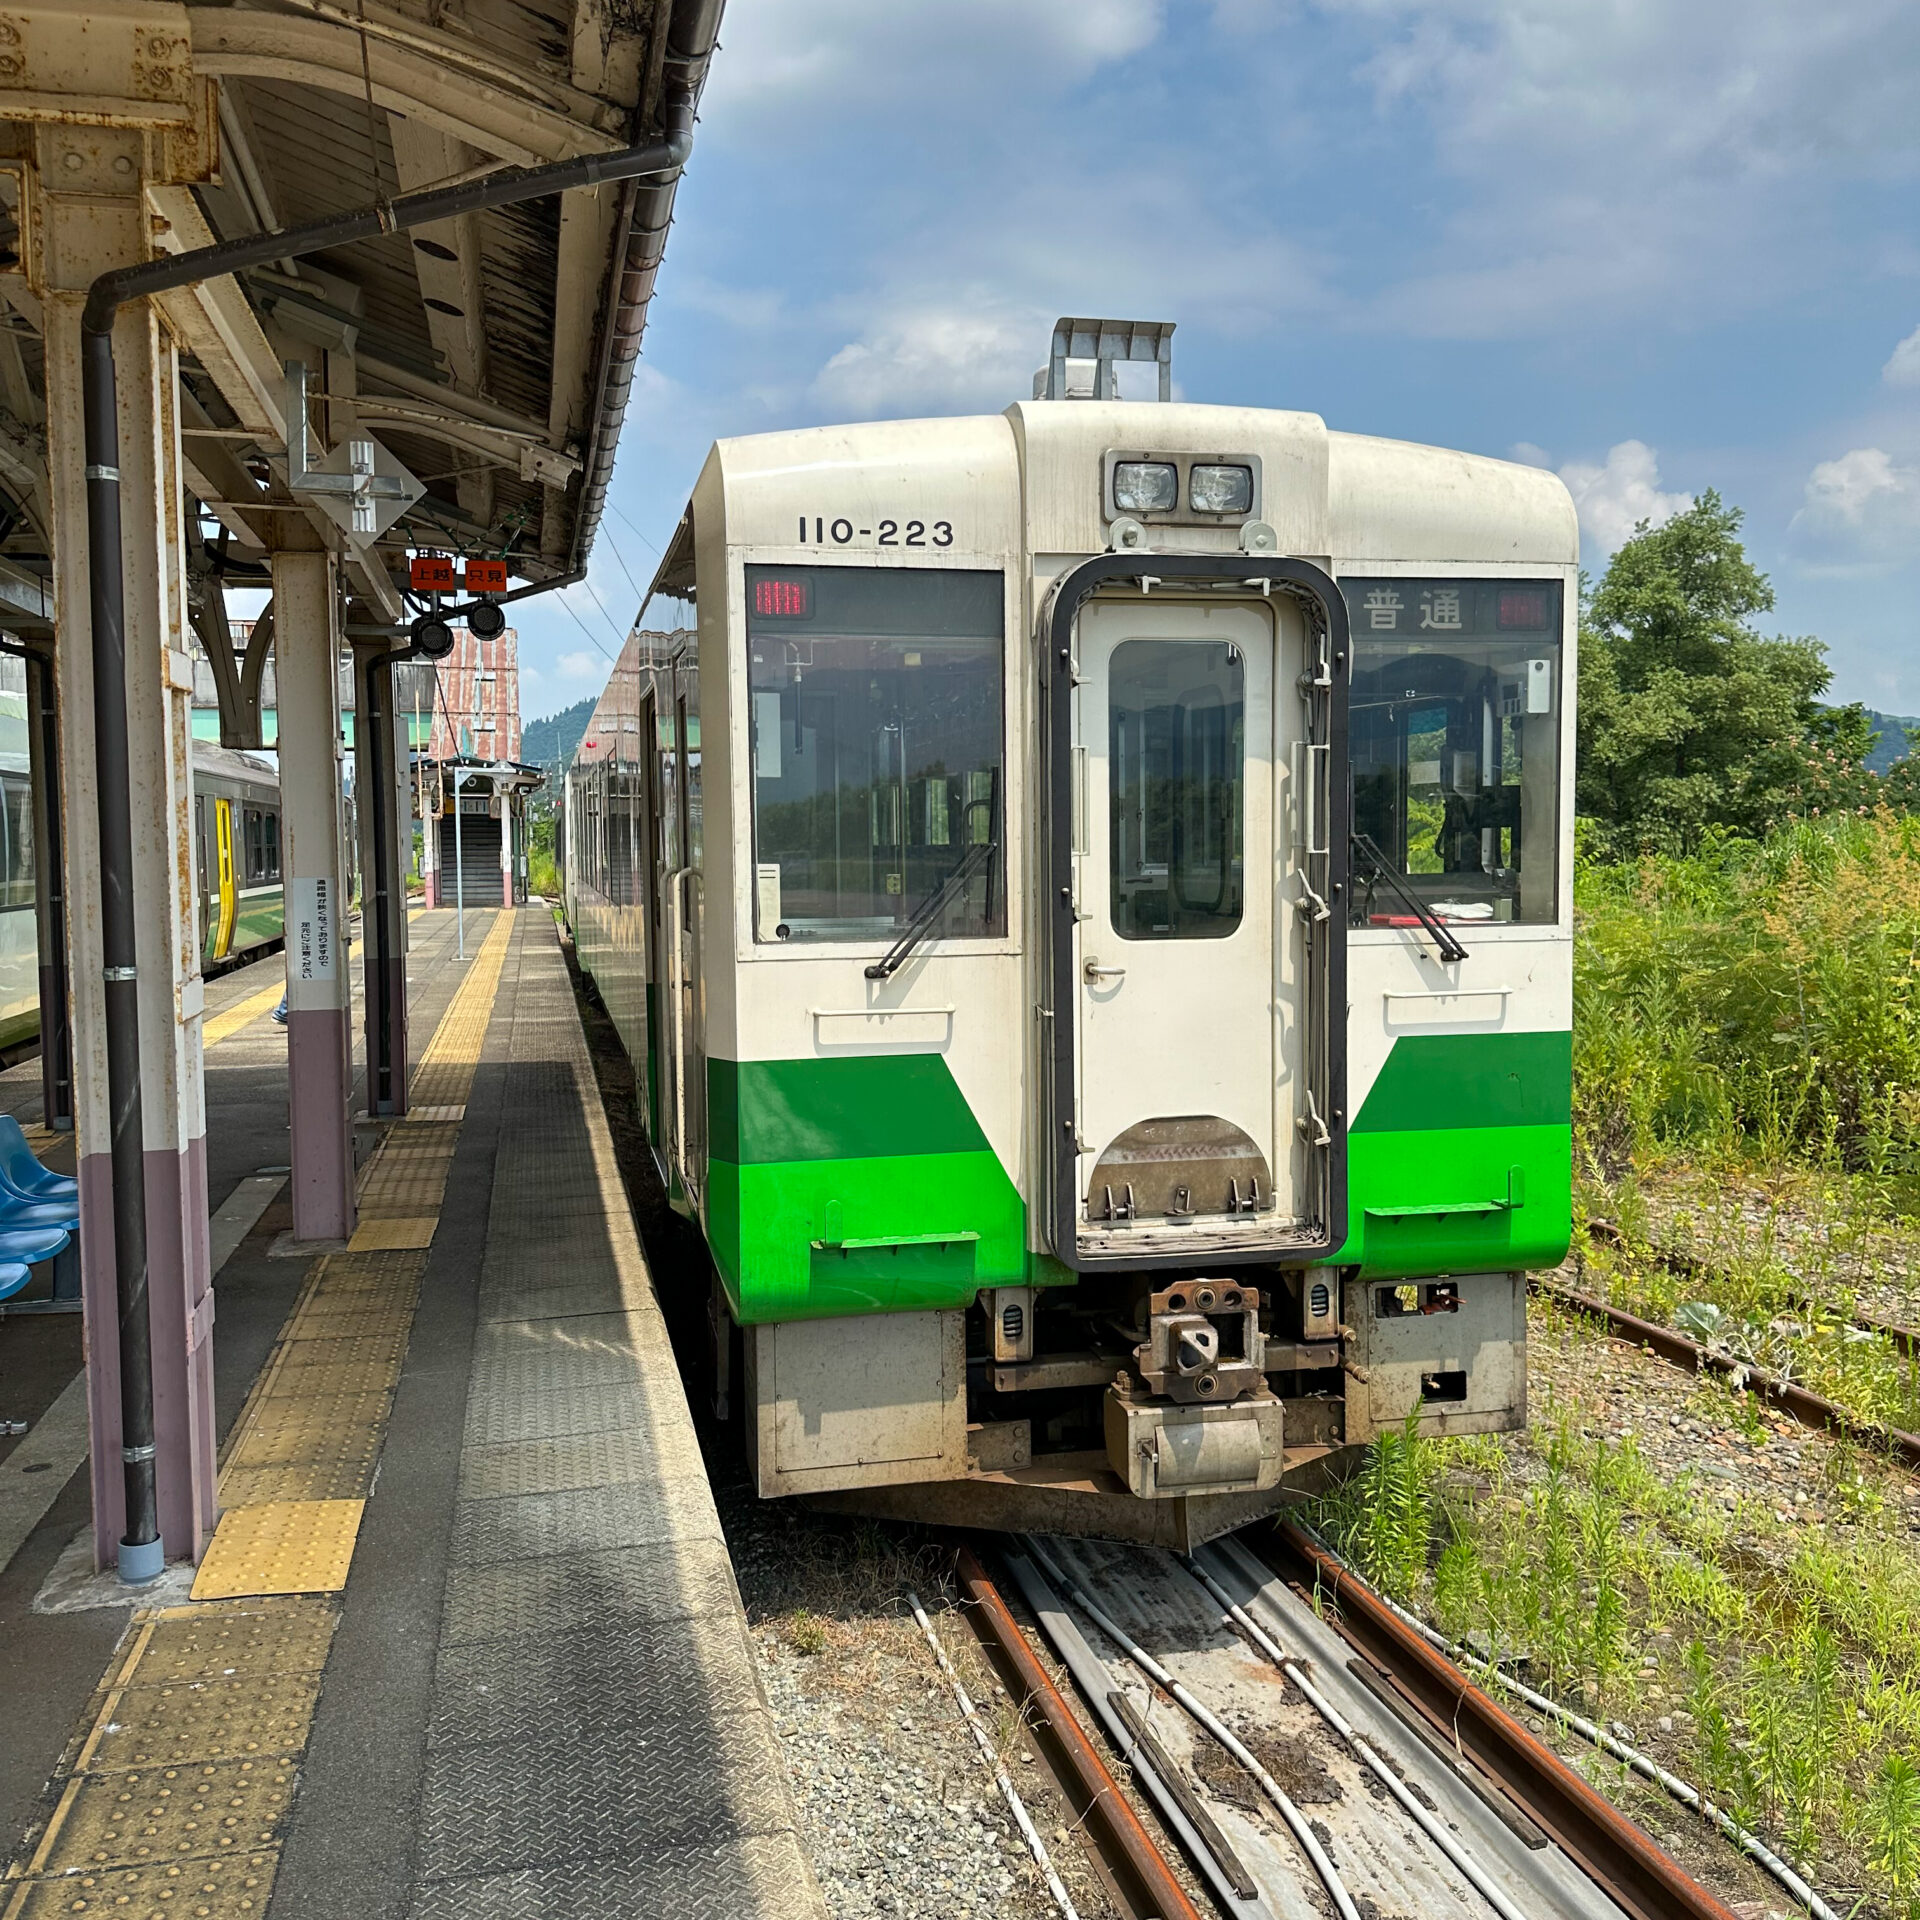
<point x="175" y="1799"/>
<point x="223" y="1025"/>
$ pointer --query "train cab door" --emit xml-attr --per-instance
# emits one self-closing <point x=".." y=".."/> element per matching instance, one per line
<point x="1185" y="1118"/>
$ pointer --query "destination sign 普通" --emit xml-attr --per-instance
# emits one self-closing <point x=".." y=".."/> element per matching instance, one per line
<point x="1409" y="609"/>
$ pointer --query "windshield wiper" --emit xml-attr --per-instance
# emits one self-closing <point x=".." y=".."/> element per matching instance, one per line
<point x="931" y="908"/>
<point x="1435" y="928"/>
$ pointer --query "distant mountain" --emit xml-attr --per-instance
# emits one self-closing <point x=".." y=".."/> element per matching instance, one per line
<point x="1899" y="734"/>
<point x="551" y="742"/>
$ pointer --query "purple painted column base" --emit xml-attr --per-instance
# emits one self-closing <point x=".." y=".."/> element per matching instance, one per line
<point x="319" y="1097"/>
<point x="180" y="1302"/>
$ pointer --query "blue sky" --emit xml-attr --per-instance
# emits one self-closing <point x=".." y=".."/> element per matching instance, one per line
<point x="1658" y="245"/>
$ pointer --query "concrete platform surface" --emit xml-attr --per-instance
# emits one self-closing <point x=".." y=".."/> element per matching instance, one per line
<point x="467" y="1639"/>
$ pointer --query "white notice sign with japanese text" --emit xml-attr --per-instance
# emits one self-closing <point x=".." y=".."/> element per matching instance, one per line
<point x="310" y="929"/>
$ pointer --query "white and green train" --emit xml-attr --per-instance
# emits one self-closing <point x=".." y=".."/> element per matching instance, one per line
<point x="1087" y="895"/>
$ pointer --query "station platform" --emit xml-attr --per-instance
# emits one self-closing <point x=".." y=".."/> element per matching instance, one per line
<point x="466" y="1640"/>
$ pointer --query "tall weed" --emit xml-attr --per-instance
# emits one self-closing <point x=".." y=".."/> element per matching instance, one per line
<point x="1754" y="997"/>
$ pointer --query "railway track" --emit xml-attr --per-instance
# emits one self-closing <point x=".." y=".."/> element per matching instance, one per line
<point x="1810" y="1409"/>
<point x="1304" y="1748"/>
<point x="1904" y="1340"/>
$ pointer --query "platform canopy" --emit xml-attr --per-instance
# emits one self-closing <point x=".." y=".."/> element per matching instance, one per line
<point x="490" y="356"/>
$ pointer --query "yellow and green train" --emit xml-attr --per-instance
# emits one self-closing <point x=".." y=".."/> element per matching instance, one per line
<point x="1087" y="893"/>
<point x="236" y="798"/>
<point x="236" y="826"/>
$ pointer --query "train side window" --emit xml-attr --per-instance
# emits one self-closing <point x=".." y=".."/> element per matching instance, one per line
<point x="1454" y="737"/>
<point x="270" y="845"/>
<point x="878" y="715"/>
<point x="16" y="888"/>
<point x="252" y="859"/>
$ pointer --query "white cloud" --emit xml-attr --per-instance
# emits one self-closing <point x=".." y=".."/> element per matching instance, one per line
<point x="580" y="666"/>
<point x="916" y="59"/>
<point x="935" y="362"/>
<point x="1864" y="506"/>
<point x="1614" y="498"/>
<point x="1903" y="368"/>
<point x="1635" y="158"/>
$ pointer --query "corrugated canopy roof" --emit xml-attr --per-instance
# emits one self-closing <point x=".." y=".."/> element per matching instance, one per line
<point x="490" y="354"/>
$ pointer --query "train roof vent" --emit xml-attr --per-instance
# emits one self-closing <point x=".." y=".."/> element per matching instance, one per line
<point x="1103" y="342"/>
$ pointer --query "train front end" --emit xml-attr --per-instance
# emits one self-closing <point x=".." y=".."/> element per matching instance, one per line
<point x="1115" y="1004"/>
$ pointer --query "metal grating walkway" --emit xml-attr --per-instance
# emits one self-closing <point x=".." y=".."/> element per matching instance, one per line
<point x="597" y="1742"/>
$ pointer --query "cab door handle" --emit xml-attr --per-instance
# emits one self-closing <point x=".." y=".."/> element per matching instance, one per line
<point x="1094" y="972"/>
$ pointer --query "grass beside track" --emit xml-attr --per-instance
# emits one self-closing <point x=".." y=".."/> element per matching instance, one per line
<point x="1768" y="1659"/>
<point x="1747" y="1089"/>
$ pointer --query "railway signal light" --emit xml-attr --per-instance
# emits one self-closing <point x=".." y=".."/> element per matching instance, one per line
<point x="432" y="637"/>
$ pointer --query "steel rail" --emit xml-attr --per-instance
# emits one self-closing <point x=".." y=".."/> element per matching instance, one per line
<point x="1608" y="1847"/>
<point x="1436" y="1830"/>
<point x="1308" y="1840"/>
<point x="1139" y="1869"/>
<point x="1800" y="1403"/>
<point x="1904" y="1340"/>
<point x="1688" y="1796"/>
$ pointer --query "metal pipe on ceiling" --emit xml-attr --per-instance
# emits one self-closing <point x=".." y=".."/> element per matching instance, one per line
<point x="141" y="1552"/>
<point x="692" y="32"/>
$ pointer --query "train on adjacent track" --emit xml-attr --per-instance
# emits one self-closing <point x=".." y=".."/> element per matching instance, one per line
<point x="1087" y="894"/>
<point x="236" y="802"/>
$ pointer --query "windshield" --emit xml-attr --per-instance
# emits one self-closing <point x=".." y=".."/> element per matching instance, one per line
<point x="1454" y="733"/>
<point x="877" y="701"/>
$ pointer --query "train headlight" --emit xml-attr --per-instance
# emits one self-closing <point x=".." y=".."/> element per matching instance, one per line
<point x="1220" y="489"/>
<point x="1145" y="486"/>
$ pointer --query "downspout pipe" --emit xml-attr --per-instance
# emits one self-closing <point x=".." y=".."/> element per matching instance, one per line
<point x="377" y="680"/>
<point x="693" y="30"/>
<point x="142" y="1554"/>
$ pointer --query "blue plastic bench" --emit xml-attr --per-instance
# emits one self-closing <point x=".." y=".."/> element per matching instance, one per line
<point x="22" y="1172"/>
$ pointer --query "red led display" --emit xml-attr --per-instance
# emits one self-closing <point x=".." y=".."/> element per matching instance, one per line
<point x="1523" y="607"/>
<point x="788" y="599"/>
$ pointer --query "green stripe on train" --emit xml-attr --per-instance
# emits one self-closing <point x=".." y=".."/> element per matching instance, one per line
<point x="862" y="1185"/>
<point x="1461" y="1157"/>
<point x="866" y="1185"/>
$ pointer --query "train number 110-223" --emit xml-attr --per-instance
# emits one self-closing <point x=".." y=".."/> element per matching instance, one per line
<point x="820" y="531"/>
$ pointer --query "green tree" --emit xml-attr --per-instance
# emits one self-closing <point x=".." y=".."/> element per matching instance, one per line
<point x="1689" y="719"/>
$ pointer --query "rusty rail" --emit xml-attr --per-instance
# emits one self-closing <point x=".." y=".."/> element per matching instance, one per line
<point x="1800" y="1403"/>
<point x="1904" y="1340"/>
<point x="1602" y="1841"/>
<point x="1138" y="1868"/>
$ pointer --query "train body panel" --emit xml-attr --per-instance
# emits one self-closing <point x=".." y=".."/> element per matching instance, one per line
<point x="237" y="841"/>
<point x="1074" y="869"/>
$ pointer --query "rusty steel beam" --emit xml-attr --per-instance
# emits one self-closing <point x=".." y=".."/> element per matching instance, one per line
<point x="1137" y="1865"/>
<point x="1905" y="1341"/>
<point x="1608" y="1847"/>
<point x="1801" y="1403"/>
